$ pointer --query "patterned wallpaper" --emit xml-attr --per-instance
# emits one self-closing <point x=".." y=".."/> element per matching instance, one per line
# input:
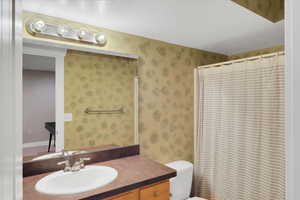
<point x="256" y="52"/>
<point x="98" y="82"/>
<point x="166" y="90"/>
<point x="272" y="10"/>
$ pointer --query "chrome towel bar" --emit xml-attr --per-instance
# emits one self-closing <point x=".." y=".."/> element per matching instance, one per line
<point x="117" y="111"/>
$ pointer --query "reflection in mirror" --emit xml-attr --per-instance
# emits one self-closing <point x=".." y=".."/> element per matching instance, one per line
<point x="58" y="154"/>
<point x="99" y="104"/>
<point x="99" y="93"/>
<point x="38" y="105"/>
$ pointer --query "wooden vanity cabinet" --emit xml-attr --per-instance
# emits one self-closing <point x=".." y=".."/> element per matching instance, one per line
<point x="160" y="191"/>
<point x="157" y="191"/>
<point x="131" y="195"/>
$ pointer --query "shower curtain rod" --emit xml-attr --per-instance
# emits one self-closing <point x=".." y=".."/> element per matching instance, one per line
<point x="242" y="60"/>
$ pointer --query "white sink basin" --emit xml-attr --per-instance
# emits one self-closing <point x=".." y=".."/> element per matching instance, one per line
<point x="89" y="178"/>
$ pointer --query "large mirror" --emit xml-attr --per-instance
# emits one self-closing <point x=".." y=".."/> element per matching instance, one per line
<point x="77" y="102"/>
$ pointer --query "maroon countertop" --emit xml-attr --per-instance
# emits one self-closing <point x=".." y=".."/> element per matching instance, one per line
<point x="133" y="172"/>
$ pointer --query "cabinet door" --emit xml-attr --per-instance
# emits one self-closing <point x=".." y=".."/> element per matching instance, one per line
<point x="160" y="191"/>
<point x="132" y="195"/>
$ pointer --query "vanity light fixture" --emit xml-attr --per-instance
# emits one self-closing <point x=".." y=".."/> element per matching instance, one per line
<point x="82" y="34"/>
<point x="100" y="39"/>
<point x="38" y="27"/>
<point x="61" y="30"/>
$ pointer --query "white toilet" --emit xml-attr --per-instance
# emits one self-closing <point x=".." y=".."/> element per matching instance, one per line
<point x="181" y="185"/>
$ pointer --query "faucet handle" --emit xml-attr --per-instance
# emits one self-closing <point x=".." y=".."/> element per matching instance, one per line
<point x="81" y="160"/>
<point x="66" y="162"/>
<point x="67" y="165"/>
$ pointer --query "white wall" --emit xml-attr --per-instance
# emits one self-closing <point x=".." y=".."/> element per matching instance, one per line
<point x="10" y="100"/>
<point x="38" y="104"/>
<point x="292" y="43"/>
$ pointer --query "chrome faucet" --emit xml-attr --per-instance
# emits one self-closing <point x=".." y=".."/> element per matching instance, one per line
<point x="79" y="164"/>
<point x="68" y="167"/>
<point x="71" y="165"/>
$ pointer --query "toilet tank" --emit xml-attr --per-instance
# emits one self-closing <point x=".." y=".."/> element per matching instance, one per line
<point x="180" y="186"/>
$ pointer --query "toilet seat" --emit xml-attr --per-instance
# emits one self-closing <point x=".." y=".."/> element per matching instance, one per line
<point x="196" y="198"/>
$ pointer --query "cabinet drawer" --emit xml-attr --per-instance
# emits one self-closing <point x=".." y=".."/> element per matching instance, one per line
<point x="160" y="191"/>
<point x="132" y="195"/>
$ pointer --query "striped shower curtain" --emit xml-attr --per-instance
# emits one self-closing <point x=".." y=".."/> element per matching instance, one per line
<point x="240" y="138"/>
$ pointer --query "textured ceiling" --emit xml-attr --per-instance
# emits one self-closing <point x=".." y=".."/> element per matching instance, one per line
<point x="214" y="25"/>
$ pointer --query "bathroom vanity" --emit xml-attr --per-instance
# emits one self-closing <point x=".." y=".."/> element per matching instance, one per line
<point x="138" y="178"/>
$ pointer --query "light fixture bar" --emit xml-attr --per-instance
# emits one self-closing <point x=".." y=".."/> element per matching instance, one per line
<point x="40" y="27"/>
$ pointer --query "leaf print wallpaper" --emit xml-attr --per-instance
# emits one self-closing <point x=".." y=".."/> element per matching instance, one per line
<point x="272" y="10"/>
<point x="98" y="82"/>
<point x="166" y="92"/>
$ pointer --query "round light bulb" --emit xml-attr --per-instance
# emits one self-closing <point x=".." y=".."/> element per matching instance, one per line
<point x="61" y="31"/>
<point x="81" y="34"/>
<point x="39" y="25"/>
<point x="100" y="39"/>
